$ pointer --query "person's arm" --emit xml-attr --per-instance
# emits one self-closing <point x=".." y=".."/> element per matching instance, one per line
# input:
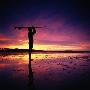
<point x="34" y="31"/>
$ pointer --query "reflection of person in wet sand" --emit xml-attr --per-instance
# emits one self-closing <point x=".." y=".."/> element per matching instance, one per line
<point x="30" y="77"/>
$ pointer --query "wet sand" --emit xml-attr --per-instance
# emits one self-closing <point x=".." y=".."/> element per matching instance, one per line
<point x="56" y="71"/>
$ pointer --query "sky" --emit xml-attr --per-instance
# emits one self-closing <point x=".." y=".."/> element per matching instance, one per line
<point x="66" y="24"/>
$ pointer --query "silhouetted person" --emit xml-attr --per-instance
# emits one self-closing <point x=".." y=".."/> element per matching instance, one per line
<point x="31" y="32"/>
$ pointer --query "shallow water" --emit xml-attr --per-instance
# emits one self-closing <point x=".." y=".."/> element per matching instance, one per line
<point x="56" y="71"/>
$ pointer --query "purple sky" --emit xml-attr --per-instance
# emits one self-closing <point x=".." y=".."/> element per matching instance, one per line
<point x="66" y="23"/>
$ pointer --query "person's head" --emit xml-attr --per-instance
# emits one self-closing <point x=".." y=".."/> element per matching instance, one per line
<point x="30" y="29"/>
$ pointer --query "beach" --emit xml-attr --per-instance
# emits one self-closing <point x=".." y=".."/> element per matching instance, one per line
<point x="49" y="71"/>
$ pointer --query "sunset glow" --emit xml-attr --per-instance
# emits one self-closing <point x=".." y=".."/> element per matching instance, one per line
<point x="63" y="28"/>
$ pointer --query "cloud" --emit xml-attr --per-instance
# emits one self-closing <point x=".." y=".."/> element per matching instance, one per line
<point x="59" y="31"/>
<point x="63" y="43"/>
